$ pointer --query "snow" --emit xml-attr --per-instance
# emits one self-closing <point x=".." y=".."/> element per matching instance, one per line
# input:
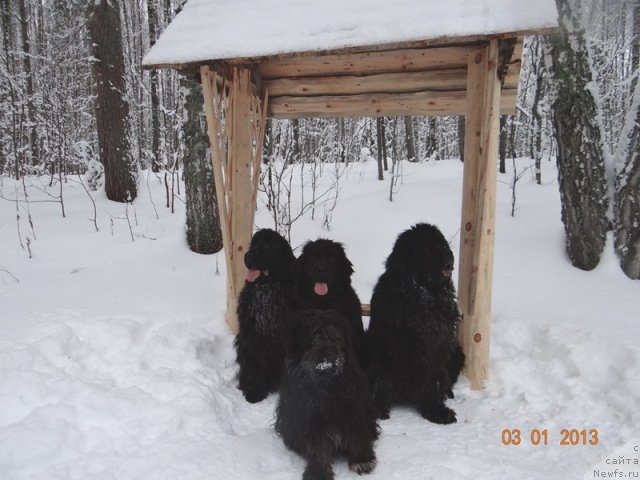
<point x="116" y="363"/>
<point x="220" y="29"/>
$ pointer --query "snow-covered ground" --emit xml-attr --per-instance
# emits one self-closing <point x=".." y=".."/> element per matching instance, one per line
<point x="116" y="363"/>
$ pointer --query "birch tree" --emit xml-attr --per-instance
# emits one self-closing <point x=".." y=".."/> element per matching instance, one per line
<point x="203" y="219"/>
<point x="581" y="169"/>
<point x="627" y="181"/>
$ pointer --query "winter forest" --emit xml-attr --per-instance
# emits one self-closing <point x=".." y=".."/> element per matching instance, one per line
<point x="116" y="358"/>
<point x="578" y="102"/>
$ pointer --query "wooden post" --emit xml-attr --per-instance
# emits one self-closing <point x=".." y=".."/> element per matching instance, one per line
<point x="478" y="209"/>
<point x="235" y="122"/>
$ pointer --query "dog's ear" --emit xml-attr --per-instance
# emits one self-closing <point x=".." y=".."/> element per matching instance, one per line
<point x="346" y="265"/>
<point x="405" y="247"/>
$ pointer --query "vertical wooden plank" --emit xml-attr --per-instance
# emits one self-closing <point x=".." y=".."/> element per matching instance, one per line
<point x="235" y="118"/>
<point x="478" y="209"/>
<point x="241" y="148"/>
<point x="213" y="106"/>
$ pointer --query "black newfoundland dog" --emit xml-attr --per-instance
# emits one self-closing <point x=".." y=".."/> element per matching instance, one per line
<point x="263" y="306"/>
<point x="325" y="407"/>
<point x="415" y="355"/>
<point x="324" y="282"/>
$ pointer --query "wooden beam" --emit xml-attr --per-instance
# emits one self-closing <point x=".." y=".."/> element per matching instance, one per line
<point x="514" y="65"/>
<point x="406" y="82"/>
<point x="215" y="102"/>
<point x="478" y="210"/>
<point x="241" y="185"/>
<point x="235" y="121"/>
<point x="405" y="60"/>
<point x="440" y="80"/>
<point x="401" y="82"/>
<point x="378" y="105"/>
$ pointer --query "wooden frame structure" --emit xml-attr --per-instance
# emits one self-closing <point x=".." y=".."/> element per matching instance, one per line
<point x="476" y="76"/>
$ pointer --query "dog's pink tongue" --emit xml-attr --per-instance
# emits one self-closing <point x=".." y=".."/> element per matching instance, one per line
<point x="320" y="288"/>
<point x="252" y="275"/>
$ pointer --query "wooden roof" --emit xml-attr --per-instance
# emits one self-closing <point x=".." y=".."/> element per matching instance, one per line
<point x="366" y="58"/>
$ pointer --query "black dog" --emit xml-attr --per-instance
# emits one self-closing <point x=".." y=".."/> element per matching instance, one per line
<point x="263" y="306"/>
<point x="325" y="407"/>
<point x="415" y="355"/>
<point x="324" y="282"/>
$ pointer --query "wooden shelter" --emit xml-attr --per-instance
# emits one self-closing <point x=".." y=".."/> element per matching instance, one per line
<point x="283" y="59"/>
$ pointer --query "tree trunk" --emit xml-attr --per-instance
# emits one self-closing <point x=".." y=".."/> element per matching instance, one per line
<point x="27" y="71"/>
<point x="268" y="142"/>
<point x="627" y="182"/>
<point x="7" y="43"/>
<point x="383" y="138"/>
<point x="627" y="208"/>
<point x="581" y="170"/>
<point x="295" y="130"/>
<point x="203" y="219"/>
<point x="380" y="148"/>
<point x="461" y="136"/>
<point x="536" y="136"/>
<point x="502" y="148"/>
<point x="410" y="139"/>
<point x="431" y="146"/>
<point x="112" y="110"/>
<point x="156" y="161"/>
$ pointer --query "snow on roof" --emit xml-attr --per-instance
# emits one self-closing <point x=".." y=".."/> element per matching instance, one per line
<point x="221" y="29"/>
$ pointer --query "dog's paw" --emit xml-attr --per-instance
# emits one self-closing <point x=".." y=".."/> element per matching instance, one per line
<point x="363" y="467"/>
<point x="442" y="415"/>
<point x="254" y="395"/>
<point x="317" y="472"/>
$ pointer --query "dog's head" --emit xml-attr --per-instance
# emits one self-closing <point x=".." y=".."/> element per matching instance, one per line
<point x="319" y="344"/>
<point x="424" y="253"/>
<point x="323" y="270"/>
<point x="269" y="257"/>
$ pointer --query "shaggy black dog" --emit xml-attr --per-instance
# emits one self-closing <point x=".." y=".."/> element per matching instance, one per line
<point x="415" y="355"/>
<point x="325" y="407"/>
<point x="324" y="282"/>
<point x="263" y="306"/>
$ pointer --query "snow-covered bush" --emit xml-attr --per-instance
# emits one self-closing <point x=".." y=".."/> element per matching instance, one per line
<point x="95" y="171"/>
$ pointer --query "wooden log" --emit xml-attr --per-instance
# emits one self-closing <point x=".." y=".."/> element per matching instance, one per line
<point x="241" y="180"/>
<point x="213" y="106"/>
<point x="478" y="210"/>
<point x="405" y="81"/>
<point x="365" y="309"/>
<point x="378" y="105"/>
<point x="403" y="60"/>
<point x="439" y="80"/>
<point x="235" y="121"/>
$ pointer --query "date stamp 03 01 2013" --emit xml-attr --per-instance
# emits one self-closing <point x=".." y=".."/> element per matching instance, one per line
<point x="567" y="437"/>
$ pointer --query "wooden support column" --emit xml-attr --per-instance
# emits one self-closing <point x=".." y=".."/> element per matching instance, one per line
<point x="478" y="209"/>
<point x="236" y="123"/>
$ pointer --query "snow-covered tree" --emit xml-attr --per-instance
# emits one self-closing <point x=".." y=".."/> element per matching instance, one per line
<point x="112" y="109"/>
<point x="581" y="168"/>
<point x="203" y="220"/>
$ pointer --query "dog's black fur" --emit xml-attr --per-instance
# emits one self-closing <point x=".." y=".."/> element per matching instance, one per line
<point x="325" y="407"/>
<point x="323" y="282"/>
<point x="263" y="307"/>
<point x="415" y="355"/>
